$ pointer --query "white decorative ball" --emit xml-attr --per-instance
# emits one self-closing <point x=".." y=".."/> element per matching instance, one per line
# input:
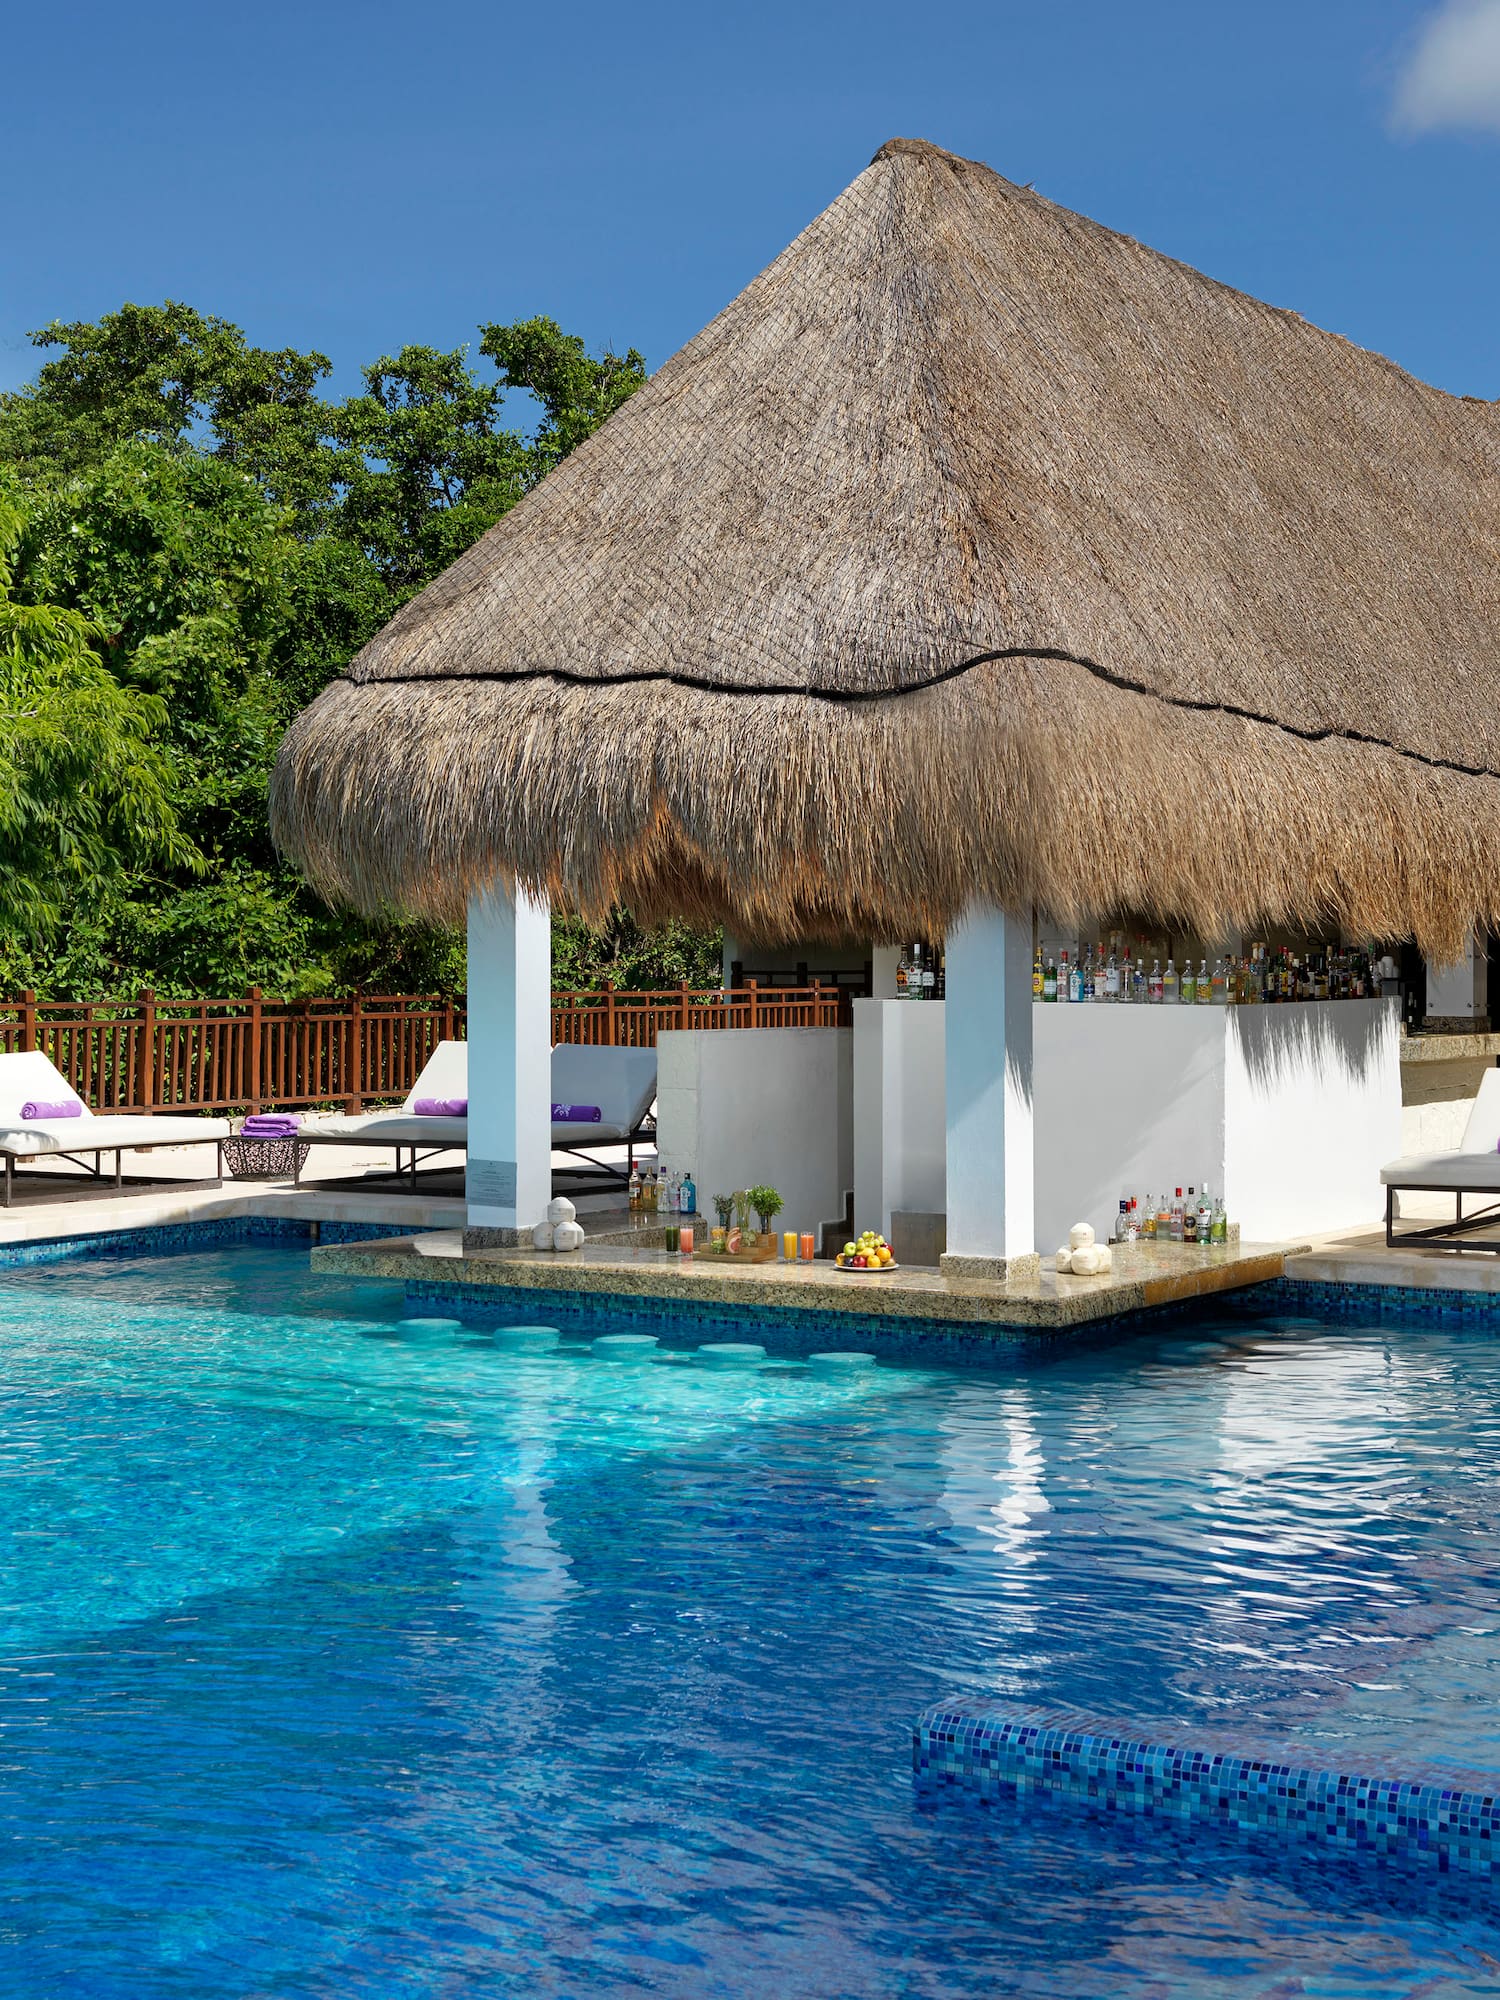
<point x="1105" y="1253"/>
<point x="541" y="1236"/>
<point x="568" y="1236"/>
<point x="561" y="1210"/>
<point x="1081" y="1235"/>
<point x="1065" y="1259"/>
<point x="1085" y="1261"/>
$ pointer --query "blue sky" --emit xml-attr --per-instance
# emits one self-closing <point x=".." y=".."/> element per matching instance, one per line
<point x="349" y="177"/>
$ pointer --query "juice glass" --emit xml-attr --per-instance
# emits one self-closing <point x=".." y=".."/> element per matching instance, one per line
<point x="685" y="1239"/>
<point x="789" y="1246"/>
<point x="809" y="1246"/>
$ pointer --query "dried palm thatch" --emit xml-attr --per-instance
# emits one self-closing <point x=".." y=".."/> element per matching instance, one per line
<point x="974" y="551"/>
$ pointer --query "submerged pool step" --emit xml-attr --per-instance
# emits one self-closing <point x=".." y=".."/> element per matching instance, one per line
<point x="997" y="1752"/>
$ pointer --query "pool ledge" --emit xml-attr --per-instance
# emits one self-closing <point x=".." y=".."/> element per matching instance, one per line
<point x="1144" y="1277"/>
<point x="996" y="1752"/>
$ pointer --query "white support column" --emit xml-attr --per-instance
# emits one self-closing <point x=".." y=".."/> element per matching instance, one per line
<point x="987" y="1070"/>
<point x="509" y="1180"/>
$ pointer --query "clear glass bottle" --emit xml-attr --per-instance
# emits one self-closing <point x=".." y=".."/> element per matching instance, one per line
<point x="688" y="1204"/>
<point x="903" y="976"/>
<point x="1205" y="1218"/>
<point x="1190" y="1217"/>
<point x="1219" y="1228"/>
<point x="1170" y="986"/>
<point x="929" y="974"/>
<point x="1112" y="978"/>
<point x="1218" y="985"/>
<point x="1157" y="988"/>
<point x="1075" y="980"/>
<point x="1176" y="1220"/>
<point x="1086" y="967"/>
<point x="1203" y="988"/>
<point x="1049" y="982"/>
<point x="1148" y="1220"/>
<point x="1164" y="1221"/>
<point x="1187" y="984"/>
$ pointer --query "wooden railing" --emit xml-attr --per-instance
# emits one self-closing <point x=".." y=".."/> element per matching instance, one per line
<point x="610" y="1019"/>
<point x="221" y="1055"/>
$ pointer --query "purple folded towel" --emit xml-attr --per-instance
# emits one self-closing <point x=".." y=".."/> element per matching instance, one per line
<point x="575" y="1114"/>
<point x="64" y="1107"/>
<point x="270" y="1125"/>
<point x="441" y="1107"/>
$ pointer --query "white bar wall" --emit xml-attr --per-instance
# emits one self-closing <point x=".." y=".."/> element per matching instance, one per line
<point x="769" y="1105"/>
<point x="1289" y="1112"/>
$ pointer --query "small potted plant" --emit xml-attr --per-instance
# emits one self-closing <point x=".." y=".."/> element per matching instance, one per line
<point x="767" y="1204"/>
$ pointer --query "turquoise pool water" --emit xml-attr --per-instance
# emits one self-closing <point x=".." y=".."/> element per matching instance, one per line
<point x="341" y="1656"/>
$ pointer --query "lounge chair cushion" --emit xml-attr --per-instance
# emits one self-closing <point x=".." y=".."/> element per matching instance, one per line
<point x="622" y="1082"/>
<point x="1476" y="1164"/>
<point x="388" y="1128"/>
<point x="29" y="1075"/>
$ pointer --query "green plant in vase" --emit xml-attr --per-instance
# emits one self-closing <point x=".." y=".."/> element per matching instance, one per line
<point x="724" y="1209"/>
<point x="767" y="1204"/>
<point x="742" y="1216"/>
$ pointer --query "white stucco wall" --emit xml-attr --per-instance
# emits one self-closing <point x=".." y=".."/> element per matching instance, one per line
<point x="898" y="1110"/>
<point x="1289" y="1112"/>
<point x="1459" y="992"/>
<point x="1312" y="1112"/>
<point x="771" y="1105"/>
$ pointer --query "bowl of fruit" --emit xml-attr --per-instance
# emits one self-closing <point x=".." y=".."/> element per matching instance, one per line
<point x="866" y="1258"/>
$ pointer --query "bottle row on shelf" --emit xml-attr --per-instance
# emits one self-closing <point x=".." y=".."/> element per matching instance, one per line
<point x="1257" y="978"/>
<point x="919" y="973"/>
<point x="1196" y="1219"/>
<point x="656" y="1193"/>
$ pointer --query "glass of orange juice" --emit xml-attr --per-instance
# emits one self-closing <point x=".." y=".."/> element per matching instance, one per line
<point x="789" y="1246"/>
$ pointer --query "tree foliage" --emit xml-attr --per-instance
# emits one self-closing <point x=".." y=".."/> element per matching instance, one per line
<point x="198" y="538"/>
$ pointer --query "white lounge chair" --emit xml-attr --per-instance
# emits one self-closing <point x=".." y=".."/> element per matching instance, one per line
<point x="444" y="1074"/>
<point x="620" y="1082"/>
<point x="1474" y="1170"/>
<point x="29" y="1077"/>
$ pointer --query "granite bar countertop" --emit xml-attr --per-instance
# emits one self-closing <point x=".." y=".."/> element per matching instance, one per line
<point x="1144" y="1275"/>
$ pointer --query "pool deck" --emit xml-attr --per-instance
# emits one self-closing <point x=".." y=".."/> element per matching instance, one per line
<point x="1145" y="1276"/>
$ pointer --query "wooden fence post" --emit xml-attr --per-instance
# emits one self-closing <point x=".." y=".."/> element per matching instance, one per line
<point x="255" y="1067"/>
<point x="145" y="1058"/>
<point x="682" y="991"/>
<point x="28" y="1020"/>
<point x="609" y="1014"/>
<point x="356" y="1074"/>
<point x="754" y="991"/>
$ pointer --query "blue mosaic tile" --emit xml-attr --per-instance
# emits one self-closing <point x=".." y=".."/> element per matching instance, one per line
<point x="174" y="1238"/>
<point x="1026" y="1753"/>
<point x="1320" y="1298"/>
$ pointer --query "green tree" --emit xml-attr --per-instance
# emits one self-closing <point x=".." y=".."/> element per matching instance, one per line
<point x="84" y="790"/>
<point x="228" y="538"/>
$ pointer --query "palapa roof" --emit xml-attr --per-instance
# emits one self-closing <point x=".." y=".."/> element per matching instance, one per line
<point x="973" y="551"/>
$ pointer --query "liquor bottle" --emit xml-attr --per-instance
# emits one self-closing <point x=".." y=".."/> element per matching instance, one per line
<point x="1140" y="981"/>
<point x="635" y="1191"/>
<point x="1164" y="1221"/>
<point x="1049" y="982"/>
<point x="1037" y="974"/>
<point x="1148" y="1220"/>
<point x="903" y="975"/>
<point x="1086" y="973"/>
<point x="1127" y="980"/>
<point x="1122" y="1220"/>
<point x="674" y="1194"/>
<point x="1157" y="988"/>
<point x="1187" y="985"/>
<point x="1176" y="1221"/>
<point x="1218" y="985"/>
<point x="689" y="1202"/>
<point x="929" y="974"/>
<point x="1064" y="978"/>
<point x="1190" y="1218"/>
<point x="940" y="991"/>
<point x="1205" y="1218"/>
<point x="1170" y="992"/>
<point x="914" y="974"/>
<point x="1204" y="994"/>
<point x="1075" y="980"/>
<point x="1218" y="1231"/>
<point x="1232" y="995"/>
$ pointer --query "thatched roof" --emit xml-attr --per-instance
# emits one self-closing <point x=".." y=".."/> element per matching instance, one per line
<point x="972" y="550"/>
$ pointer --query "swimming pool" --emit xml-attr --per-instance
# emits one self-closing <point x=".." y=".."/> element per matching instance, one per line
<point x="342" y="1656"/>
